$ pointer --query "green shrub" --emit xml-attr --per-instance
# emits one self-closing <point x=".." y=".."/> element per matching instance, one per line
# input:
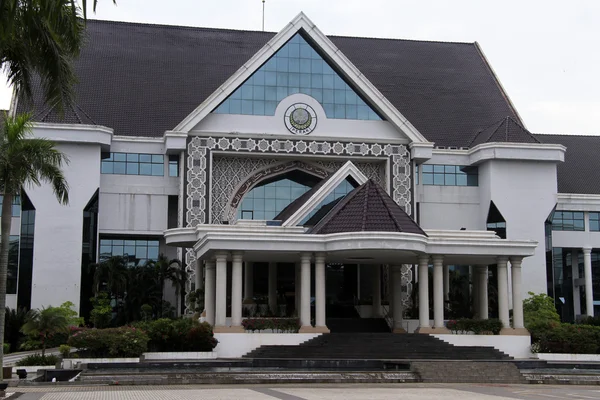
<point x="477" y="326"/>
<point x="594" y="321"/>
<point x="111" y="342"/>
<point x="65" y="350"/>
<point x="565" y="338"/>
<point x="539" y="309"/>
<point x="184" y="334"/>
<point x="37" y="359"/>
<point x="291" y="325"/>
<point x="101" y="314"/>
<point x="5" y="348"/>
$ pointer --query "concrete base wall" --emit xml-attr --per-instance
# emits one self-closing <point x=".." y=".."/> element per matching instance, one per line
<point x="235" y="345"/>
<point x="569" y="357"/>
<point x="514" y="346"/>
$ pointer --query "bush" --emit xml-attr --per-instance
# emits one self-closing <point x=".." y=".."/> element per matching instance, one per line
<point x="111" y="342"/>
<point x="554" y="337"/>
<point x="291" y="325"/>
<point x="5" y="348"/>
<point x="477" y="326"/>
<point x="539" y="309"/>
<point x="65" y="350"/>
<point x="101" y="314"/>
<point x="37" y="359"/>
<point x="594" y="321"/>
<point x="184" y="334"/>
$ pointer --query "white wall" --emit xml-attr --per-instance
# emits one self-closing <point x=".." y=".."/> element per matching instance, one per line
<point x="515" y="346"/>
<point x="577" y="240"/>
<point x="525" y="193"/>
<point x="449" y="207"/>
<point x="235" y="345"/>
<point x="58" y="228"/>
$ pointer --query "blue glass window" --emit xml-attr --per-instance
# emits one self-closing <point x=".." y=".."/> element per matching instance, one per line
<point x="449" y="175"/>
<point x="137" y="251"/>
<point x="331" y="200"/>
<point x="133" y="164"/>
<point x="297" y="68"/>
<point x="595" y="222"/>
<point x="174" y="165"/>
<point x="16" y="205"/>
<point x="568" y="221"/>
<point x="266" y="201"/>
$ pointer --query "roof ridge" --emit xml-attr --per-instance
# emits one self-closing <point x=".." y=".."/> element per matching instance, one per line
<point x="365" y="204"/>
<point x="378" y="190"/>
<point x="335" y="209"/>
<point x="86" y="114"/>
<point x="499" y="123"/>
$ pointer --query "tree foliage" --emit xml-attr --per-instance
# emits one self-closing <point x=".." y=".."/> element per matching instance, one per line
<point x="44" y="323"/>
<point x="539" y="309"/>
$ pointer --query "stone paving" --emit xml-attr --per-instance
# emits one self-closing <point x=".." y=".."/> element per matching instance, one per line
<point x="314" y="392"/>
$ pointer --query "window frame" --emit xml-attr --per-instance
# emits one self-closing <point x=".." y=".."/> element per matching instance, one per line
<point x="132" y="164"/>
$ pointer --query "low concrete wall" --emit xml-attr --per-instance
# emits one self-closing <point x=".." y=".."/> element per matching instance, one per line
<point x="33" y="368"/>
<point x="182" y="355"/>
<point x="235" y="345"/>
<point x="568" y="357"/>
<point x="514" y="346"/>
<point x="75" y="362"/>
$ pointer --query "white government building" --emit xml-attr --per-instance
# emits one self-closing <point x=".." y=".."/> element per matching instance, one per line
<point x="309" y="172"/>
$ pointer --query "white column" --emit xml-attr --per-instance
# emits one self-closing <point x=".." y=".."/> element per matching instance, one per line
<point x="221" y="290"/>
<point x="320" y="293"/>
<point x="397" y="298"/>
<point x="475" y="290"/>
<point x="209" y="292"/>
<point x="273" y="287"/>
<point x="248" y="283"/>
<point x="446" y="285"/>
<point x="236" y="290"/>
<point x="483" y="292"/>
<point x="576" y="288"/>
<point x="305" y="291"/>
<point x="438" y="291"/>
<point x="503" y="291"/>
<point x="424" y="292"/>
<point x="589" y="289"/>
<point x="517" y="295"/>
<point x="376" y="313"/>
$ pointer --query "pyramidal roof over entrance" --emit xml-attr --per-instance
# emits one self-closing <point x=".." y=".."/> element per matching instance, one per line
<point x="368" y="208"/>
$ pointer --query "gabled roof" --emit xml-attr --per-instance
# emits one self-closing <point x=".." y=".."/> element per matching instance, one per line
<point x="72" y="114"/>
<point x="299" y="209"/>
<point x="368" y="208"/>
<point x="142" y="80"/>
<point x="507" y="130"/>
<point x="579" y="173"/>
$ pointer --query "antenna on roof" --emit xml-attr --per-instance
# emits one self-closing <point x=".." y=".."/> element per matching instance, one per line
<point x="263" y="19"/>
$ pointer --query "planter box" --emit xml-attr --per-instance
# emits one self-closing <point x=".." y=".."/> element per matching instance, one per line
<point x="235" y="345"/>
<point x="181" y="355"/>
<point x="34" y="368"/>
<point x="568" y="357"/>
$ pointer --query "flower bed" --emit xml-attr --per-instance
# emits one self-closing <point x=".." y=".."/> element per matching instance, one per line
<point x="111" y="342"/>
<point x="476" y="326"/>
<point x="276" y="325"/>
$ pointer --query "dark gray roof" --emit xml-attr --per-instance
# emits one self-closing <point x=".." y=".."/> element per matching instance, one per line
<point x="368" y="208"/>
<point x="505" y="130"/>
<point x="295" y="205"/>
<point x="142" y="79"/>
<point x="72" y="114"/>
<point x="580" y="171"/>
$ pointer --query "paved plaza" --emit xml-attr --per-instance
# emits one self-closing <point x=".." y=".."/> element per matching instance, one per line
<point x="315" y="392"/>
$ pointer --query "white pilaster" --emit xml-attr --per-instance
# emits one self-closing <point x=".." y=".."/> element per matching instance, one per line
<point x="503" y="291"/>
<point x="438" y="291"/>
<point x="483" y="292"/>
<point x="305" y="293"/>
<point x="236" y="290"/>
<point x="320" y="319"/>
<point x="396" y="297"/>
<point x="446" y="285"/>
<point x="248" y="283"/>
<point x="515" y="265"/>
<point x="273" y="287"/>
<point x="209" y="292"/>
<point x="376" y="291"/>
<point x="424" y="292"/>
<point x="589" y="288"/>
<point x="221" y="291"/>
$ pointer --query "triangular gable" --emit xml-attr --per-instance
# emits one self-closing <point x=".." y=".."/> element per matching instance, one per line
<point x="336" y="57"/>
<point x="329" y="185"/>
<point x="297" y="67"/>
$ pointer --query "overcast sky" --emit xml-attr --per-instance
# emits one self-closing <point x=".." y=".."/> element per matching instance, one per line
<point x="546" y="53"/>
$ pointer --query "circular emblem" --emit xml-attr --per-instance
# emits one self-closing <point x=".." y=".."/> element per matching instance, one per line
<point x="300" y="119"/>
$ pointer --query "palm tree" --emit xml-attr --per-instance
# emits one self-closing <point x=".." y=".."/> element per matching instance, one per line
<point x="168" y="270"/>
<point x="45" y="323"/>
<point x="112" y="272"/>
<point x="24" y="161"/>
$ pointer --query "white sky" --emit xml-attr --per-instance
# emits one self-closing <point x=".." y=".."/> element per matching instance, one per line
<point x="546" y="53"/>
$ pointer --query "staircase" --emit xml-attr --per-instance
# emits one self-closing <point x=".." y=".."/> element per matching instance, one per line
<point x="377" y="346"/>
<point x="467" y="372"/>
<point x="356" y="325"/>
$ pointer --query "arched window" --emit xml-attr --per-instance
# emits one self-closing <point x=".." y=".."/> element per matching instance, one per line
<point x="271" y="196"/>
